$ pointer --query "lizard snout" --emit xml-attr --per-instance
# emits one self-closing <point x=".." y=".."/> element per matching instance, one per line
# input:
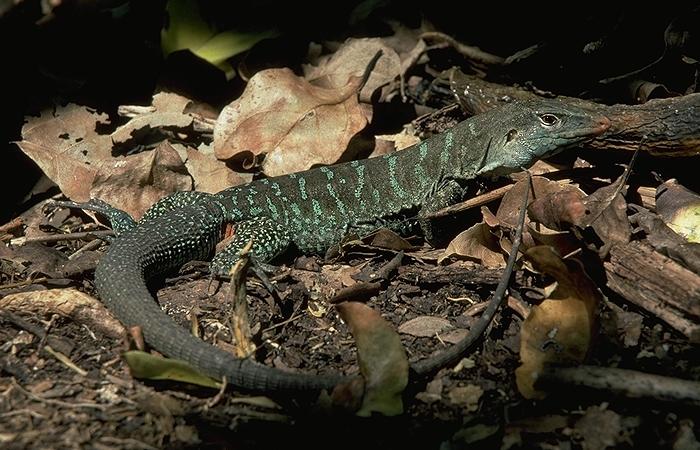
<point x="603" y="125"/>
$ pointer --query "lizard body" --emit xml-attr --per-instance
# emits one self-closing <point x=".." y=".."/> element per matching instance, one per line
<point x="313" y="210"/>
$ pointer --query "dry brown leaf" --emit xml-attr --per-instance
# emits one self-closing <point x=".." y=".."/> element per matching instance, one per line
<point x="562" y="241"/>
<point x="351" y="60"/>
<point x="381" y="356"/>
<point x="210" y="174"/>
<point x="559" y="210"/>
<point x="560" y="330"/>
<point x="65" y="145"/>
<point x="600" y="428"/>
<point x="425" y="326"/>
<point x="466" y="396"/>
<point x="72" y="303"/>
<point x="298" y="125"/>
<point x="400" y="140"/>
<point x="167" y="111"/>
<point x="540" y="189"/>
<point x="607" y="215"/>
<point x="135" y="182"/>
<point x="67" y="148"/>
<point x="476" y="244"/>
<point x="385" y="238"/>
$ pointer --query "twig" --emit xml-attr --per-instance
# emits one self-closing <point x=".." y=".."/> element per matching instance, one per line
<point x="473" y="202"/>
<point x="63" y="237"/>
<point x="15" y="223"/>
<point x="239" y="319"/>
<point x="385" y="271"/>
<point x="629" y="383"/>
<point x="65" y="360"/>
<point x="210" y="403"/>
<point x="468" y="51"/>
<point x="35" y="330"/>
<point x="356" y="292"/>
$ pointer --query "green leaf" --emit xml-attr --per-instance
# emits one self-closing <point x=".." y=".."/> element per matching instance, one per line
<point x="188" y="30"/>
<point x="228" y="43"/>
<point x="185" y="29"/>
<point x="146" y="366"/>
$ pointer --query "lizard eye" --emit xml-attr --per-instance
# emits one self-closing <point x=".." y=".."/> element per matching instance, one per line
<point x="511" y="135"/>
<point x="549" y="120"/>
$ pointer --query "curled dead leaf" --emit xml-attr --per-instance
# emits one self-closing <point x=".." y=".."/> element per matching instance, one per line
<point x="381" y="356"/>
<point x="351" y="59"/>
<point x="167" y="111"/>
<point x="561" y="329"/>
<point x="476" y="244"/>
<point x="680" y="209"/>
<point x="297" y="124"/>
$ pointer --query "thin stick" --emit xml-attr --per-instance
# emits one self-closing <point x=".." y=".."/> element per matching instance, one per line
<point x="63" y="237"/>
<point x="629" y="383"/>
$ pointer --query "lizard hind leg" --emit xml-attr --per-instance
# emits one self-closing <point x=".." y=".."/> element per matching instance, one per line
<point x="270" y="238"/>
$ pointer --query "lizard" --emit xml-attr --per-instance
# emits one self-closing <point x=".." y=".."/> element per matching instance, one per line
<point x="311" y="211"/>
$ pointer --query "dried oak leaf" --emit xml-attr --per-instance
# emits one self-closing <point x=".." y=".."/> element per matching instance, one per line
<point x="210" y="174"/>
<point x="298" y="125"/>
<point x="476" y="244"/>
<point x="167" y="111"/>
<point x="381" y="356"/>
<point x="351" y="60"/>
<point x="67" y="147"/>
<point x="560" y="330"/>
<point x="542" y="192"/>
<point x="133" y="183"/>
<point x="606" y="214"/>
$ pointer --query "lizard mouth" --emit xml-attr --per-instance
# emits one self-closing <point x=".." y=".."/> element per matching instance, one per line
<point x="602" y="125"/>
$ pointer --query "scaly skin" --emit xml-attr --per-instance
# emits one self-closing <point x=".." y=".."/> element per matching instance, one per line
<point x="313" y="210"/>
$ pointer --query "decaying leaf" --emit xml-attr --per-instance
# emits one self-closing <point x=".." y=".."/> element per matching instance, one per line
<point x="560" y="330"/>
<point x="151" y="367"/>
<point x="600" y="428"/>
<point x="425" y="326"/>
<point x="680" y="209"/>
<point x="476" y="244"/>
<point x="606" y="213"/>
<point x="385" y="238"/>
<point x="70" y="302"/>
<point x="71" y="153"/>
<point x="400" y="140"/>
<point x="65" y="145"/>
<point x="298" y="125"/>
<point x="167" y="111"/>
<point x="210" y="174"/>
<point x="540" y="191"/>
<point x="558" y="210"/>
<point x="466" y="396"/>
<point x="133" y="183"/>
<point x="334" y="71"/>
<point x="382" y="359"/>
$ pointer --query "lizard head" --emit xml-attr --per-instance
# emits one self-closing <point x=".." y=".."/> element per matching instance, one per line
<point x="535" y="129"/>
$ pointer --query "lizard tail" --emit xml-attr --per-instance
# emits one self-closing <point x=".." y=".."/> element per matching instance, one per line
<point x="153" y="248"/>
